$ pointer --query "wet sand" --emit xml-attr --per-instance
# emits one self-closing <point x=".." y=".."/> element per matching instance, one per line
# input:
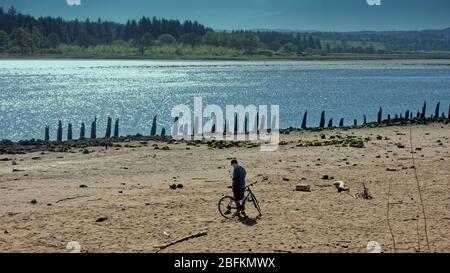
<point x="130" y="187"/>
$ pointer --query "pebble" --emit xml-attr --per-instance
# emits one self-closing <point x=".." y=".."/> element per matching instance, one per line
<point x="101" y="219"/>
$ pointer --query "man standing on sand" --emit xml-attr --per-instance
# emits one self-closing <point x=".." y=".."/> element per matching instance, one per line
<point x="238" y="186"/>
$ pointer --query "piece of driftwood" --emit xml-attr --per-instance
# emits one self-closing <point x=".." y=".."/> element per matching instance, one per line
<point x="365" y="194"/>
<point x="70" y="198"/>
<point x="193" y="236"/>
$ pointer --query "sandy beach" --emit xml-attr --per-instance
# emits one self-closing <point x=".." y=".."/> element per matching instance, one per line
<point x="51" y="198"/>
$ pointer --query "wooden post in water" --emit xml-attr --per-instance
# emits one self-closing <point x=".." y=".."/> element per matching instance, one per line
<point x="355" y="122"/>
<point x="214" y="127"/>
<point x="94" y="129"/>
<point x="82" y="131"/>
<point x="225" y="127"/>
<point x="153" y="130"/>
<point x="380" y="115"/>
<point x="424" y="110"/>
<point x="389" y="118"/>
<point x="116" y="129"/>
<point x="175" y="127"/>
<point x="365" y="120"/>
<point x="330" y="123"/>
<point x="263" y="124"/>
<point x="341" y="123"/>
<point x="407" y="115"/>
<point x="304" y="121"/>
<point x="437" y="111"/>
<point x="163" y="132"/>
<point x="108" y="128"/>
<point x="47" y="133"/>
<point x="236" y="129"/>
<point x="69" y="132"/>
<point x="448" y="116"/>
<point x="246" y="131"/>
<point x="59" y="132"/>
<point x="322" y="120"/>
<point x="257" y="123"/>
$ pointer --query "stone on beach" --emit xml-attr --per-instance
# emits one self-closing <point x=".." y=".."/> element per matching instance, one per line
<point x="101" y="219"/>
<point x="303" y="187"/>
<point x="341" y="186"/>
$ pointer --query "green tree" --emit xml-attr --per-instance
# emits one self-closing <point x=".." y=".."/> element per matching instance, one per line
<point x="290" y="48"/>
<point x="249" y="42"/>
<point x="146" y="42"/>
<point x="36" y="39"/>
<point x="212" y="38"/>
<point x="22" y="39"/>
<point x="191" y="39"/>
<point x="4" y="40"/>
<point x="167" y="39"/>
<point x="53" y="40"/>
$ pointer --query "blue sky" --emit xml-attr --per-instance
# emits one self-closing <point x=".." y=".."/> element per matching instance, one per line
<point x="325" y="15"/>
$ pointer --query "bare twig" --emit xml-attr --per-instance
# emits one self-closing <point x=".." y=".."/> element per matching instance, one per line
<point x="388" y="214"/>
<point x="70" y="198"/>
<point x="418" y="187"/>
<point x="196" y="235"/>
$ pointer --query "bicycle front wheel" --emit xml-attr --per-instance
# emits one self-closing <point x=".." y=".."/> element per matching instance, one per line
<point x="256" y="204"/>
<point x="227" y="207"/>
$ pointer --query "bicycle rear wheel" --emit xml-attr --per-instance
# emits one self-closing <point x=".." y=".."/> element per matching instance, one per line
<point x="227" y="207"/>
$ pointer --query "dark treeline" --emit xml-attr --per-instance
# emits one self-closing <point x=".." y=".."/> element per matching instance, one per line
<point x="27" y="34"/>
<point x="394" y="41"/>
<point x="91" y="33"/>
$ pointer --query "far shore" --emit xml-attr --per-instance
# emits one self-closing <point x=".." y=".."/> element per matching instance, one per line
<point x="331" y="57"/>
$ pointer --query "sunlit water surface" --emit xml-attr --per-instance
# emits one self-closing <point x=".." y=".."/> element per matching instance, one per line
<point x="35" y="93"/>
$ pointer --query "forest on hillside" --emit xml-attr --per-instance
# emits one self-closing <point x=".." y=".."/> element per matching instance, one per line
<point x="26" y="35"/>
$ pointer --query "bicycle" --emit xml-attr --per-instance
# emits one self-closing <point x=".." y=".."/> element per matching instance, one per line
<point x="228" y="208"/>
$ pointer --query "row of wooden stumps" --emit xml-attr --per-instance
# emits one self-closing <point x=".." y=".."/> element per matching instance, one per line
<point x="420" y="116"/>
<point x="109" y="133"/>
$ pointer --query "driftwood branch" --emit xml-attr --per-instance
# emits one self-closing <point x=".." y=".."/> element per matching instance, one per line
<point x="196" y="235"/>
<point x="70" y="198"/>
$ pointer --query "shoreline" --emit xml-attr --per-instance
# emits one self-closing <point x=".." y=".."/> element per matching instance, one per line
<point x="9" y="147"/>
<point x="334" y="57"/>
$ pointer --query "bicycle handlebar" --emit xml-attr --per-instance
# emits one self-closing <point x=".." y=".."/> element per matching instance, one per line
<point x="247" y="187"/>
<point x="251" y="185"/>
